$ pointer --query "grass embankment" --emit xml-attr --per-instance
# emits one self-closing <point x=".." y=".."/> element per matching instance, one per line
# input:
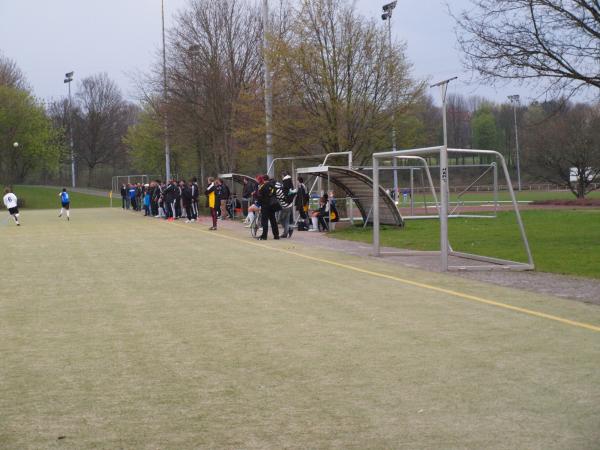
<point x="38" y="197"/>
<point x="566" y="242"/>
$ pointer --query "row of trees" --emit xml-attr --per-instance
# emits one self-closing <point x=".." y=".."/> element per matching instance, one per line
<point x="35" y="137"/>
<point x="337" y="86"/>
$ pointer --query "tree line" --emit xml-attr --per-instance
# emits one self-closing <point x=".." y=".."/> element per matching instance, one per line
<point x="337" y="86"/>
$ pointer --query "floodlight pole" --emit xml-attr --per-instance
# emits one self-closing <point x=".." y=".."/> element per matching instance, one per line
<point x="68" y="80"/>
<point x="71" y="136"/>
<point x="268" y="87"/>
<point x="387" y="15"/>
<point x="514" y="99"/>
<point x="444" y="191"/>
<point x="165" y="118"/>
<point x="194" y="50"/>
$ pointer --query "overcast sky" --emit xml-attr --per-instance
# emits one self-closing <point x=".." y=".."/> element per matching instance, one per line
<point x="50" y="37"/>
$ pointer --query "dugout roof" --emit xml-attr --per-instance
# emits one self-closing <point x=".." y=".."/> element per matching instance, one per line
<point x="359" y="187"/>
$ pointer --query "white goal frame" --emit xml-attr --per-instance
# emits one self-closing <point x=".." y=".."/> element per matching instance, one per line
<point x="446" y="250"/>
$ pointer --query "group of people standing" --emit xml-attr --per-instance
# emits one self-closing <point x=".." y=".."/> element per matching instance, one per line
<point x="172" y="200"/>
<point x="276" y="201"/>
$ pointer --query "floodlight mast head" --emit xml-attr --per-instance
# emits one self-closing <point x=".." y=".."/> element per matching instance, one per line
<point x="69" y="77"/>
<point x="387" y="10"/>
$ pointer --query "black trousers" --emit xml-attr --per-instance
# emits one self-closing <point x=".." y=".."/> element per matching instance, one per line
<point x="195" y="208"/>
<point x="268" y="215"/>
<point x="188" y="211"/>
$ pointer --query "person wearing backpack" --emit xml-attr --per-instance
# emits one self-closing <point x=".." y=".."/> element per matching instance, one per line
<point x="301" y="202"/>
<point x="269" y="206"/>
<point x="285" y="216"/>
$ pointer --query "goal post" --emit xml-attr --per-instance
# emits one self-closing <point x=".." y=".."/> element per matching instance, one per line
<point x="446" y="251"/>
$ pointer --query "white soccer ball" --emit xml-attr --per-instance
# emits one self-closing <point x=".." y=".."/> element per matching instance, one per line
<point x="16" y="144"/>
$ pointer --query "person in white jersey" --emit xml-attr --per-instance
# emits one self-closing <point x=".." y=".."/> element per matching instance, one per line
<point x="65" y="202"/>
<point x="10" y="201"/>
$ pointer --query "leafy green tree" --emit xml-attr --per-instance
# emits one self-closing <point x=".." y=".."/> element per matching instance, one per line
<point x="24" y="121"/>
<point x="485" y="131"/>
<point x="146" y="143"/>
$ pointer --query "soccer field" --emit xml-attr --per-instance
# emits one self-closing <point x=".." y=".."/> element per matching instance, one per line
<point x="123" y="332"/>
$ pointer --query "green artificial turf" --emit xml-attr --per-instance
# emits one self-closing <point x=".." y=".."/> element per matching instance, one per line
<point x="37" y="197"/>
<point x="118" y="331"/>
<point x="562" y="241"/>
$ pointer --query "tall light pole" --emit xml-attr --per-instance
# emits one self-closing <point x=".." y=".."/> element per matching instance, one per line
<point x="67" y="81"/>
<point x="165" y="118"/>
<point x="514" y="99"/>
<point x="268" y="86"/>
<point x="444" y="191"/>
<point x="194" y="51"/>
<point x="387" y="15"/>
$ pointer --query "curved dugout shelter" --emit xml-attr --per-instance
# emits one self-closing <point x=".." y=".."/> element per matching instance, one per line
<point x="358" y="187"/>
<point x="237" y="178"/>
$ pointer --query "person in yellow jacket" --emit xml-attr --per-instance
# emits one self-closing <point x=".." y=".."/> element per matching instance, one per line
<point x="212" y="201"/>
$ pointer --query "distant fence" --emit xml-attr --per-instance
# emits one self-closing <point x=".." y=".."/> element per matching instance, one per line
<point x="545" y="187"/>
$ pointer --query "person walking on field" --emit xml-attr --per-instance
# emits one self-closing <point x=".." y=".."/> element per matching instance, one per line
<point x="65" y="202"/>
<point x="211" y="195"/>
<point x="12" y="204"/>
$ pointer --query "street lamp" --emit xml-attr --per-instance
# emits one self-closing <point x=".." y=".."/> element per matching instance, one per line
<point x="165" y="118"/>
<point x="514" y="99"/>
<point x="387" y="15"/>
<point x="68" y="80"/>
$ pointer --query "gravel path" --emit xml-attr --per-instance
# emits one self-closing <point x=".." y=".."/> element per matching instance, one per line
<point x="574" y="288"/>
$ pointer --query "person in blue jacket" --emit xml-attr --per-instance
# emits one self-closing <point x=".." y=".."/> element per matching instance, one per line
<point x="65" y="202"/>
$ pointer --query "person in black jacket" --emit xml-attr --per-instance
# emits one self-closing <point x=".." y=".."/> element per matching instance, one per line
<point x="269" y="206"/>
<point x="302" y="201"/>
<point x="186" y="200"/>
<point x="195" y="194"/>
<point x="169" y="200"/>
<point x="224" y="194"/>
<point x="124" y="196"/>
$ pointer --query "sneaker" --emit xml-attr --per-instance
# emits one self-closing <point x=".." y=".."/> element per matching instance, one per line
<point x="68" y="218"/>
<point x="290" y="232"/>
<point x="276" y="238"/>
<point x="187" y="221"/>
<point x="313" y="230"/>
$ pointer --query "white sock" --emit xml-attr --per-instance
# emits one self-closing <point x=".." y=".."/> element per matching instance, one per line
<point x="315" y="223"/>
<point x="61" y="211"/>
<point x="68" y="213"/>
<point x="16" y="216"/>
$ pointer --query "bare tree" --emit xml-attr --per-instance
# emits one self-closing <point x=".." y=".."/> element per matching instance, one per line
<point x="335" y="64"/>
<point x="565" y="142"/>
<point x="100" y="120"/>
<point x="214" y="59"/>
<point x="11" y="75"/>
<point x="558" y="40"/>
